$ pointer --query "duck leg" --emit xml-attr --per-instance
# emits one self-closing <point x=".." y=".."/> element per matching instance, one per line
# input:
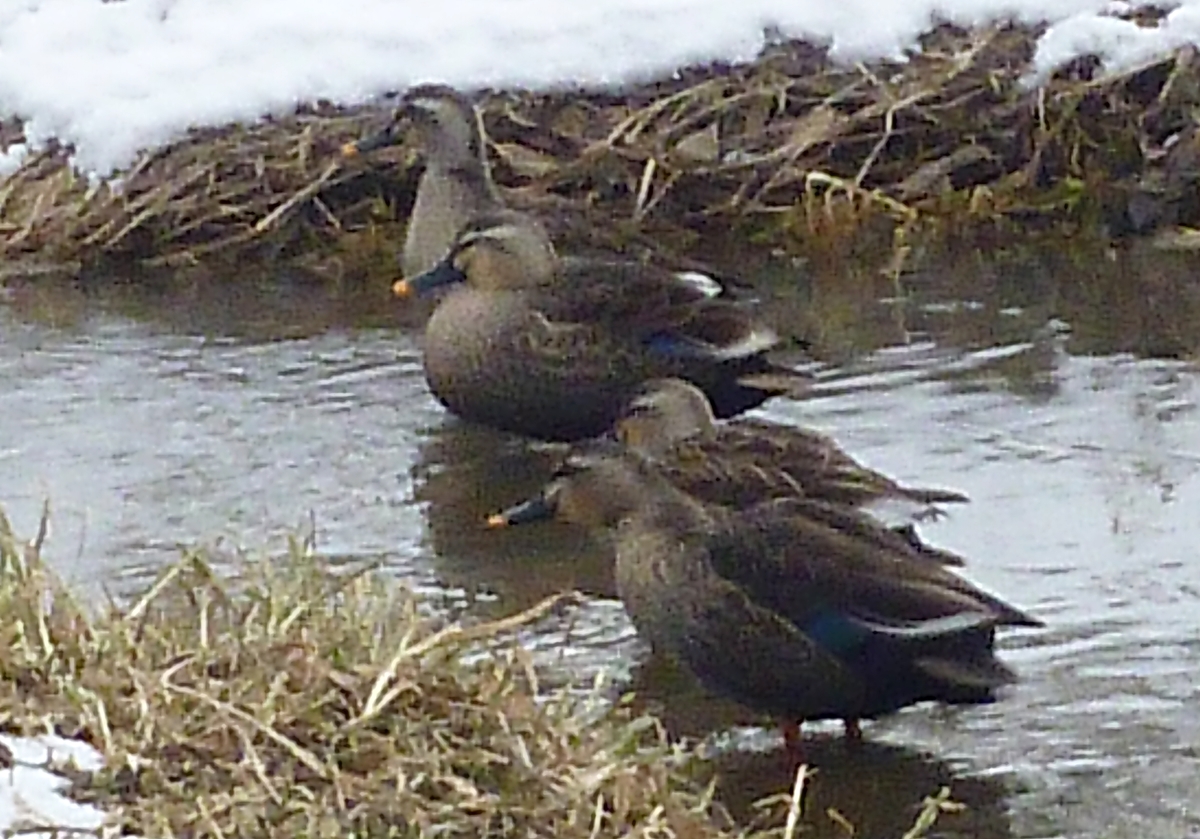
<point x="853" y="730"/>
<point x="792" y="739"/>
<point x="928" y="514"/>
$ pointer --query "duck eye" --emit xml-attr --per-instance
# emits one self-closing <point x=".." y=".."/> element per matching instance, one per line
<point x="575" y="463"/>
<point x="467" y="238"/>
<point x="569" y="466"/>
<point x="639" y="409"/>
<point x="466" y="244"/>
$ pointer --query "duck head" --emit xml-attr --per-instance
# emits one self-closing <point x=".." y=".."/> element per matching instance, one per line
<point x="665" y="412"/>
<point x="497" y="251"/>
<point x="446" y="124"/>
<point x="597" y="488"/>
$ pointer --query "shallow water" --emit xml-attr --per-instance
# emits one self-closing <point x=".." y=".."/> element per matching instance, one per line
<point x="1055" y="388"/>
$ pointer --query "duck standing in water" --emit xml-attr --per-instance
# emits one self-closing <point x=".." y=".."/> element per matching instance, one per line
<point x="477" y="382"/>
<point x="522" y="345"/>
<point x="780" y="607"/>
<point x="747" y="461"/>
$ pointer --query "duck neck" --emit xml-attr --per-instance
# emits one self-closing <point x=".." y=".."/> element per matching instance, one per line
<point x="459" y="152"/>
<point x="446" y="200"/>
<point x="471" y="176"/>
<point x="667" y="508"/>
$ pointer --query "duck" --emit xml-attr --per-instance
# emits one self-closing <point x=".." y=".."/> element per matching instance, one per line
<point x="457" y="182"/>
<point x="520" y="344"/>
<point x="792" y="613"/>
<point x="746" y="461"/>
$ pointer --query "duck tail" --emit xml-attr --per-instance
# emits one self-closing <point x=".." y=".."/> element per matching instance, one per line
<point x="963" y="664"/>
<point x="956" y="651"/>
<point x="925" y="495"/>
<point x="1006" y="614"/>
<point x="967" y="680"/>
<point x="779" y="381"/>
<point x="732" y="393"/>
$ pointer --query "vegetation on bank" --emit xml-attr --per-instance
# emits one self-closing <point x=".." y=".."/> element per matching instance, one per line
<point x="790" y="150"/>
<point x="289" y="699"/>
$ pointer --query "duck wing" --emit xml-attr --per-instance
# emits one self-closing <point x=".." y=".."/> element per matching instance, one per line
<point x="902" y="628"/>
<point x="904" y="541"/>
<point x="734" y="478"/>
<point x="682" y="316"/>
<point x="815" y="461"/>
<point x="831" y="575"/>
<point x="740" y="469"/>
<point x="889" y="636"/>
<point x="626" y="292"/>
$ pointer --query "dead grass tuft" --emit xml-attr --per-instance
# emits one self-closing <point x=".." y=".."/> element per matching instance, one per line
<point x="287" y="700"/>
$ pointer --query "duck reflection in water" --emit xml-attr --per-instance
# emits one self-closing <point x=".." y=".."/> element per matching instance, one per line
<point x="462" y="473"/>
<point x="877" y="787"/>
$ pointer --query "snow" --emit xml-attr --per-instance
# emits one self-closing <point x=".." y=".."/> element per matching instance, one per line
<point x="12" y="158"/>
<point x="112" y="78"/>
<point x="31" y="800"/>
<point x="1121" y="44"/>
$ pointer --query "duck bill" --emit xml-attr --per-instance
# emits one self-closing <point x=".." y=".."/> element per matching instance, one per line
<point x="539" y="508"/>
<point x="389" y="136"/>
<point x="439" y="276"/>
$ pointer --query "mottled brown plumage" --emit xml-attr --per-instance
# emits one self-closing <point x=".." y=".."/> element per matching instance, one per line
<point x="787" y="609"/>
<point x="522" y="344"/>
<point x="457" y="182"/>
<point x="490" y="361"/>
<point x="746" y="461"/>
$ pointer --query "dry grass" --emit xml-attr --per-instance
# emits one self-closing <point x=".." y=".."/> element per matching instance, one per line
<point x="233" y="190"/>
<point x="788" y="149"/>
<point x="289" y="700"/>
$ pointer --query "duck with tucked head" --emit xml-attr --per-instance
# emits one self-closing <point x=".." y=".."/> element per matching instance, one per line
<point x="776" y="607"/>
<point x="457" y="182"/>
<point x="746" y="461"/>
<point x="521" y="345"/>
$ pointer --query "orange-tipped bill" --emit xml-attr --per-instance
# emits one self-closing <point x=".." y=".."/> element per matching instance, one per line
<point x="443" y="274"/>
<point x="538" y="508"/>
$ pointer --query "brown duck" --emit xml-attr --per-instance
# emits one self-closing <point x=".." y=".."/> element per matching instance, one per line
<point x="457" y="182"/>
<point x="780" y="607"/>
<point x="457" y="185"/>
<point x="524" y="345"/>
<point x="747" y="461"/>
